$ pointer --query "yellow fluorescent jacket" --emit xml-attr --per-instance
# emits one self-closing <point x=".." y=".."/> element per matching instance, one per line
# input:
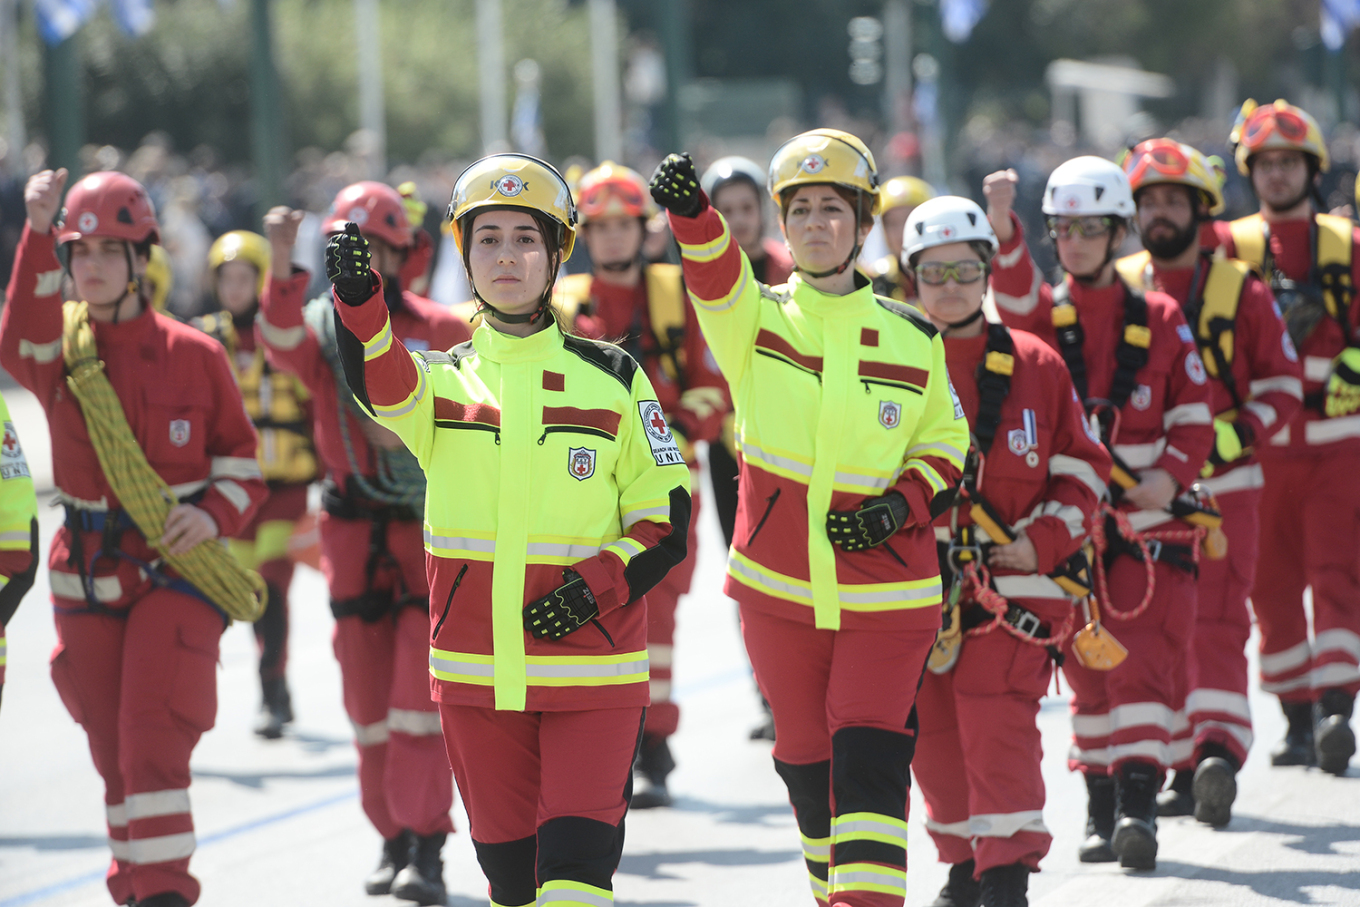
<point x="542" y="453"/>
<point x="838" y="399"/>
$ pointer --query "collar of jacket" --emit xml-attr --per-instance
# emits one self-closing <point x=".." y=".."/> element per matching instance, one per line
<point x="126" y="330"/>
<point x="825" y="305"/>
<point x="499" y="347"/>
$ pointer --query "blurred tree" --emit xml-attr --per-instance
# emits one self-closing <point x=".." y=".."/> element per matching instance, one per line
<point x="189" y="78"/>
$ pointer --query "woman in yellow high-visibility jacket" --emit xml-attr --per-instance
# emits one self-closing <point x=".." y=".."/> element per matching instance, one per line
<point x="557" y="497"/>
<point x="852" y="440"/>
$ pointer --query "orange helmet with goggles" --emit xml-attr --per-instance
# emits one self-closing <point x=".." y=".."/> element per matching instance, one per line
<point x="612" y="189"/>
<point x="1167" y="161"/>
<point x="824" y="156"/>
<point x="1276" y="127"/>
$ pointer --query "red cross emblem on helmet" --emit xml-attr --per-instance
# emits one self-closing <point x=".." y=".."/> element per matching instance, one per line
<point x="947" y="232"/>
<point x="813" y="163"/>
<point x="509" y="185"/>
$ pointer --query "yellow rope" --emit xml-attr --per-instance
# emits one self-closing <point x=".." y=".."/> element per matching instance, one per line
<point x="209" y="566"/>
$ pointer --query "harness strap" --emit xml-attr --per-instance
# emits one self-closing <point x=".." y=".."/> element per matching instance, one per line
<point x="1130" y="355"/>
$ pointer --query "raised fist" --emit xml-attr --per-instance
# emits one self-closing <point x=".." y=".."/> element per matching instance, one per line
<point x="999" y="190"/>
<point x="42" y="198"/>
<point x="675" y="186"/>
<point x="347" y="266"/>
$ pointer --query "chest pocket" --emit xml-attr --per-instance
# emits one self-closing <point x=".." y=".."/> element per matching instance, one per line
<point x="175" y="427"/>
<point x="582" y="443"/>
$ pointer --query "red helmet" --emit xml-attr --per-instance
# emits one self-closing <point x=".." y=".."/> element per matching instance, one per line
<point x="376" y="208"/>
<point x="109" y="204"/>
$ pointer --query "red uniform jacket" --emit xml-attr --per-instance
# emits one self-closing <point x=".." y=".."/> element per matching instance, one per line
<point x="1046" y="471"/>
<point x="180" y="398"/>
<point x="420" y="324"/>
<point x="1290" y="244"/>
<point x="1166" y="422"/>
<point x="1264" y="366"/>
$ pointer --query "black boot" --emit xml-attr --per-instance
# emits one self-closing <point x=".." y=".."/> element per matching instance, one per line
<point x="1005" y="886"/>
<point x="654" y="763"/>
<point x="1215" y="785"/>
<point x="1135" y="827"/>
<point x="1099" y="820"/>
<point x="396" y="853"/>
<point x="422" y="880"/>
<point x="962" y="890"/>
<point x="1178" y="799"/>
<point x="1332" y="734"/>
<point x="276" y="709"/>
<point x="1297" y="746"/>
<point x="165" y="899"/>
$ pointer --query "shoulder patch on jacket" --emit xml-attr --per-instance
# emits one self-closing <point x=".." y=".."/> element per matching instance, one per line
<point x="910" y="313"/>
<point x="604" y="356"/>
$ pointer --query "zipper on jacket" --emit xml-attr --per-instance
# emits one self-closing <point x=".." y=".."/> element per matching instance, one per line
<point x="761" y="525"/>
<point x="454" y="588"/>
<point x="895" y="384"/>
<point x="787" y="361"/>
<point x="599" y="626"/>
<point x="574" y="429"/>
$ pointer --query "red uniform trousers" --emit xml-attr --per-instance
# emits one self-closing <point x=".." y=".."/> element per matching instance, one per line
<point x="1129" y="714"/>
<point x="979" y="751"/>
<point x="1310" y="536"/>
<point x="265" y="544"/>
<point x="1215" y="708"/>
<point x="404" y="778"/>
<point x="545" y="794"/>
<point x="663" y="715"/>
<point x="845" y="731"/>
<point x="143" y="685"/>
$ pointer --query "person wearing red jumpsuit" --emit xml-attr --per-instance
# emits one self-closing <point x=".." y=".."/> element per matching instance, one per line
<point x="644" y="308"/>
<point x="1310" y="507"/>
<point x="1041" y="470"/>
<point x="1134" y="363"/>
<point x="136" y="659"/>
<point x="1258" y="386"/>
<point x="371" y="542"/>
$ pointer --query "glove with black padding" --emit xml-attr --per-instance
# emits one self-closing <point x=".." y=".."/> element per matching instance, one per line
<point x="675" y="186"/>
<point x="348" y="266"/>
<point x="876" y="521"/>
<point x="565" y="610"/>
<point x="1343" y="388"/>
<point x="1232" y="440"/>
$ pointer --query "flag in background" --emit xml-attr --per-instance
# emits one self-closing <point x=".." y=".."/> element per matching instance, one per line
<point x="1339" y="19"/>
<point x="60" y="19"/>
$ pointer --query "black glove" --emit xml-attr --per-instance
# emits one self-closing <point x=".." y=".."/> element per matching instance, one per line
<point x="347" y="266"/>
<point x="565" y="610"/>
<point x="876" y="520"/>
<point x="675" y="186"/>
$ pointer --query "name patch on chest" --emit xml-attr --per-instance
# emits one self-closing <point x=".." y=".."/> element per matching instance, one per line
<point x="659" y="437"/>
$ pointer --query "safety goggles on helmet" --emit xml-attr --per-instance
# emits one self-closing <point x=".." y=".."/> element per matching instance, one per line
<point x="1275" y="127"/>
<point x="936" y="273"/>
<point x="612" y="190"/>
<point x="1068" y="227"/>
<point x="1166" y="161"/>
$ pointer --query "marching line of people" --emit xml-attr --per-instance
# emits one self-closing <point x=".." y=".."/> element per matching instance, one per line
<point x="939" y="478"/>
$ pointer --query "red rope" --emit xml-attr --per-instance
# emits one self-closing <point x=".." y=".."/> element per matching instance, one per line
<point x="982" y="592"/>
<point x="1191" y="537"/>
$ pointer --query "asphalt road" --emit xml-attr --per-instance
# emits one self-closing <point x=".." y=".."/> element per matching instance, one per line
<point x="279" y="822"/>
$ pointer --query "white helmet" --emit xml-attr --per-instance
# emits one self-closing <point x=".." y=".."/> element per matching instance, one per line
<point x="1088" y="185"/>
<point x="733" y="167"/>
<point x="943" y="220"/>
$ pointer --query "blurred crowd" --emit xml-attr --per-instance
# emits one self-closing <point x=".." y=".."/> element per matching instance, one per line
<point x="199" y="197"/>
